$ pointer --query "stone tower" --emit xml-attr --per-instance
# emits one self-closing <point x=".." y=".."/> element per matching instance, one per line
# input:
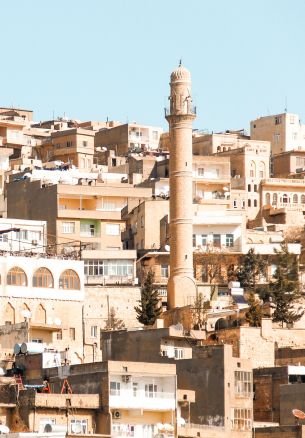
<point x="181" y="287"/>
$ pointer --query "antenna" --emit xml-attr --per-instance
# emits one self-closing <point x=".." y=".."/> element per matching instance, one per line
<point x="180" y="62"/>
<point x="286" y="105"/>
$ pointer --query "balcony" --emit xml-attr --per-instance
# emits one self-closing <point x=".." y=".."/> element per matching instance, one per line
<point x="62" y="401"/>
<point x="189" y="110"/>
<point x="153" y="401"/>
<point x="109" y="280"/>
<point x="78" y="213"/>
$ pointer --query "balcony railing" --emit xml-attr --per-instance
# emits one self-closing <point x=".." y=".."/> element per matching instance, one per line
<point x="142" y="400"/>
<point x="109" y="279"/>
<point x="188" y="110"/>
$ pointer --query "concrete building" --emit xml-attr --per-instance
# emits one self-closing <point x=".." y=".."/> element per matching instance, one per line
<point x="128" y="137"/>
<point x="180" y="117"/>
<point x="23" y="236"/>
<point x="284" y="131"/>
<point x="289" y="164"/>
<point x="209" y="144"/>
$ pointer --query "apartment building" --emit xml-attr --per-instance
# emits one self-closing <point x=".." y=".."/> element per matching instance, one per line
<point x="23" y="235"/>
<point x="129" y="137"/>
<point x="284" y="131"/>
<point x="209" y="144"/>
<point x="113" y="398"/>
<point x="74" y="145"/>
<point x="289" y="164"/>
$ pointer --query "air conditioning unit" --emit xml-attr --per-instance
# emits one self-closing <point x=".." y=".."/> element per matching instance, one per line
<point x="116" y="415"/>
<point x="126" y="379"/>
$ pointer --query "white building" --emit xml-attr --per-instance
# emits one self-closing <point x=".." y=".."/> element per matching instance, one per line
<point x="23" y="235"/>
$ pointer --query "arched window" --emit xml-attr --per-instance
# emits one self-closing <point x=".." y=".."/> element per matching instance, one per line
<point x="224" y="149"/>
<point x="218" y="149"/>
<point x="9" y="314"/>
<point x="267" y="200"/>
<point x="274" y="199"/>
<point x="40" y="314"/>
<point x="285" y="198"/>
<point x="295" y="199"/>
<point x="16" y="277"/>
<point x="69" y="280"/>
<point x="43" y="278"/>
<point x="303" y="199"/>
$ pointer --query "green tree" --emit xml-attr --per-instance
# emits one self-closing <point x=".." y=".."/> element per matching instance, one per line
<point x="149" y="308"/>
<point x="285" y="289"/>
<point x="252" y="266"/>
<point x="254" y="314"/>
<point x="114" y="323"/>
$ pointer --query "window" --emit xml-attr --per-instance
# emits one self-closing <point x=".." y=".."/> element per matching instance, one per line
<point x="164" y="271"/>
<point x="155" y="135"/>
<point x="43" y="278"/>
<point x="69" y="280"/>
<point x="194" y="240"/>
<point x="249" y="187"/>
<point x="274" y="199"/>
<point x="255" y="187"/>
<point x="243" y="383"/>
<point x="234" y="203"/>
<point x="178" y="353"/>
<point x="216" y="240"/>
<point x="300" y="161"/>
<point x="261" y="174"/>
<point x="295" y="199"/>
<point x="87" y="229"/>
<point x="85" y="143"/>
<point x="113" y="229"/>
<point x="79" y="427"/>
<point x="16" y="277"/>
<point x="251" y="173"/>
<point x="115" y="388"/>
<point x="255" y="202"/>
<point x="122" y="267"/>
<point x="22" y="235"/>
<point x="3" y="238"/>
<point x="267" y="198"/>
<point x="229" y="240"/>
<point x="68" y="227"/>
<point x="59" y="335"/>
<point x="241" y="419"/>
<point x="93" y="331"/>
<point x="72" y="333"/>
<point x="249" y="202"/>
<point x="200" y="171"/>
<point x="285" y="199"/>
<point x="57" y="146"/>
<point x="277" y="138"/>
<point x="150" y="390"/>
<point x="204" y="238"/>
<point x="278" y="120"/>
<point x="134" y="389"/>
<point x="69" y="144"/>
<point x="294" y="136"/>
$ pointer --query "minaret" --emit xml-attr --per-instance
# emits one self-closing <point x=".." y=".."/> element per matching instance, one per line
<point x="181" y="286"/>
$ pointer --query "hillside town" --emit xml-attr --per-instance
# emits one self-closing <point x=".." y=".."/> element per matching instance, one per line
<point x="152" y="281"/>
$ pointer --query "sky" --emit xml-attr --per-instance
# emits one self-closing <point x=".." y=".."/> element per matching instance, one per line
<point x="94" y="59"/>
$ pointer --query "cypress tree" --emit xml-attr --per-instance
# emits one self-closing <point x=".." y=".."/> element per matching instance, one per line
<point x="253" y="265"/>
<point x="254" y="314"/>
<point x="149" y="308"/>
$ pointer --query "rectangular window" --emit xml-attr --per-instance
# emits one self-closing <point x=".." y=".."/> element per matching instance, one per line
<point x="178" y="353"/>
<point x="194" y="240"/>
<point x="122" y="268"/>
<point x="72" y="333"/>
<point x="277" y="138"/>
<point x="57" y="146"/>
<point x="216" y="240"/>
<point x="3" y="238"/>
<point x="155" y="135"/>
<point x="69" y="144"/>
<point x="278" y="120"/>
<point x="87" y="230"/>
<point x="115" y="388"/>
<point x="79" y="427"/>
<point x="249" y="202"/>
<point x="134" y="389"/>
<point x="255" y="202"/>
<point x="230" y="240"/>
<point x="234" y="203"/>
<point x="243" y="383"/>
<point x="93" y="331"/>
<point x="200" y="171"/>
<point x="252" y="173"/>
<point x="255" y="187"/>
<point x="241" y="419"/>
<point x="85" y="143"/>
<point x="59" y="335"/>
<point x="68" y="227"/>
<point x="113" y="229"/>
<point x="249" y="187"/>
<point x="150" y="390"/>
<point x="164" y="271"/>
<point x="204" y="238"/>
<point x="261" y="174"/>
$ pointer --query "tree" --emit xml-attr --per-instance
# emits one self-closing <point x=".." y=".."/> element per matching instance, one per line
<point x="253" y="266"/>
<point x="285" y="289"/>
<point x="199" y="312"/>
<point x="149" y="308"/>
<point x="114" y="323"/>
<point x="254" y="314"/>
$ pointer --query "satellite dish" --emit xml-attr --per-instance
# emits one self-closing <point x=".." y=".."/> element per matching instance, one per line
<point x="57" y="321"/>
<point x="104" y="149"/>
<point x="4" y="429"/>
<point x="167" y="248"/>
<point x="76" y="428"/>
<point x="26" y="314"/>
<point x="300" y="415"/>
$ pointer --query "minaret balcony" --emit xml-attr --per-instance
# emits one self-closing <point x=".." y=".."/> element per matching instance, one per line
<point x="189" y="111"/>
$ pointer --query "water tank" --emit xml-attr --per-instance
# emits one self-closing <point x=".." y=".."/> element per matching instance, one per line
<point x="55" y="428"/>
<point x="17" y="348"/>
<point x="32" y="347"/>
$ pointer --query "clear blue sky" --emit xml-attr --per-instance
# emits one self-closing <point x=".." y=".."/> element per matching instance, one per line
<point x="94" y="58"/>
